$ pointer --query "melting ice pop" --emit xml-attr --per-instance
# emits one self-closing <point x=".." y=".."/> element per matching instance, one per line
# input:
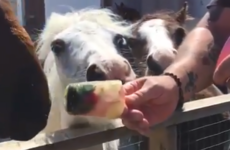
<point x="98" y="98"/>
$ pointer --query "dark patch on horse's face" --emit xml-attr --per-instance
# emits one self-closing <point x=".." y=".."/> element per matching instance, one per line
<point x="25" y="103"/>
<point x="138" y="46"/>
<point x="177" y="33"/>
<point x="130" y="48"/>
<point x="178" y="36"/>
<point x="135" y="53"/>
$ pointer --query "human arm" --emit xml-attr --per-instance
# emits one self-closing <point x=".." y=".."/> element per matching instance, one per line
<point x="153" y="99"/>
<point x="198" y="54"/>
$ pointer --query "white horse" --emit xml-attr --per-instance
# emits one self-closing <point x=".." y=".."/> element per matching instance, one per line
<point x="85" y="45"/>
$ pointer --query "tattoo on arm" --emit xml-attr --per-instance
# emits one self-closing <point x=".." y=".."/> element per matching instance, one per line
<point x="190" y="87"/>
<point x="212" y="55"/>
<point x="214" y="52"/>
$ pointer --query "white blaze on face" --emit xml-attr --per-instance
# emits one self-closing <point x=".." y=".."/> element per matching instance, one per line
<point x="160" y="44"/>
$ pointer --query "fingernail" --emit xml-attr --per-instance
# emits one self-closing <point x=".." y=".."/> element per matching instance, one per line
<point x="144" y="124"/>
<point x="135" y="115"/>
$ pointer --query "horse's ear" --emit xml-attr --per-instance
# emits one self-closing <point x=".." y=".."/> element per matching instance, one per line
<point x="182" y="15"/>
<point x="122" y="5"/>
<point x="117" y="6"/>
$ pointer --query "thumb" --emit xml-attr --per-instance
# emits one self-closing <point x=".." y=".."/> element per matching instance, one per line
<point x="133" y="86"/>
<point x="136" y="99"/>
<point x="135" y="92"/>
<point x="222" y="72"/>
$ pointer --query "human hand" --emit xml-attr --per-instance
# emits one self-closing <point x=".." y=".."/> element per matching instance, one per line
<point x="150" y="100"/>
<point x="222" y="73"/>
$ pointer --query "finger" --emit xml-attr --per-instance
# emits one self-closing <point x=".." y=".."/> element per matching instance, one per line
<point x="144" y="124"/>
<point x="144" y="127"/>
<point x="130" y="125"/>
<point x="133" y="86"/>
<point x="137" y="98"/>
<point x="140" y="126"/>
<point x="133" y="115"/>
<point x="222" y="72"/>
<point x="131" y="119"/>
<point x="147" y="91"/>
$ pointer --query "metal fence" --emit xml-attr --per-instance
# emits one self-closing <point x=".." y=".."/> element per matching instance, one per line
<point x="199" y="127"/>
<point x="209" y="133"/>
<point x="135" y="142"/>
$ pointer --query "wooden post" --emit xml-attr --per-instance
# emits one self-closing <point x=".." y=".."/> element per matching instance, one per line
<point x="106" y="3"/>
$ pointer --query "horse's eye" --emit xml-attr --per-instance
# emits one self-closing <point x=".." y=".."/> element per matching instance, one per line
<point x="58" y="46"/>
<point x="121" y="43"/>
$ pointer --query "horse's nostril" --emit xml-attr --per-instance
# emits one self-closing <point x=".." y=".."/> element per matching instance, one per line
<point x="154" y="66"/>
<point x="94" y="73"/>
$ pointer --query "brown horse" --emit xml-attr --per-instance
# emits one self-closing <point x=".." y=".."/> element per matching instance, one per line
<point x="25" y="103"/>
<point x="129" y="14"/>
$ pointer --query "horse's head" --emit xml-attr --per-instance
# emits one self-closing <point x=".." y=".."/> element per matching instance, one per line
<point x="163" y="33"/>
<point x="88" y="45"/>
<point x="24" y="104"/>
<point x="129" y="14"/>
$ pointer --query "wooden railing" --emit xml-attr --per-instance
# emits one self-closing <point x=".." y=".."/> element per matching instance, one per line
<point x="163" y="135"/>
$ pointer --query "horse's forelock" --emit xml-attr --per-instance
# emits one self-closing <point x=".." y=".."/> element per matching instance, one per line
<point x="59" y="22"/>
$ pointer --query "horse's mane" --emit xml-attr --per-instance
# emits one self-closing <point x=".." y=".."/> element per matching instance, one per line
<point x="104" y="18"/>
